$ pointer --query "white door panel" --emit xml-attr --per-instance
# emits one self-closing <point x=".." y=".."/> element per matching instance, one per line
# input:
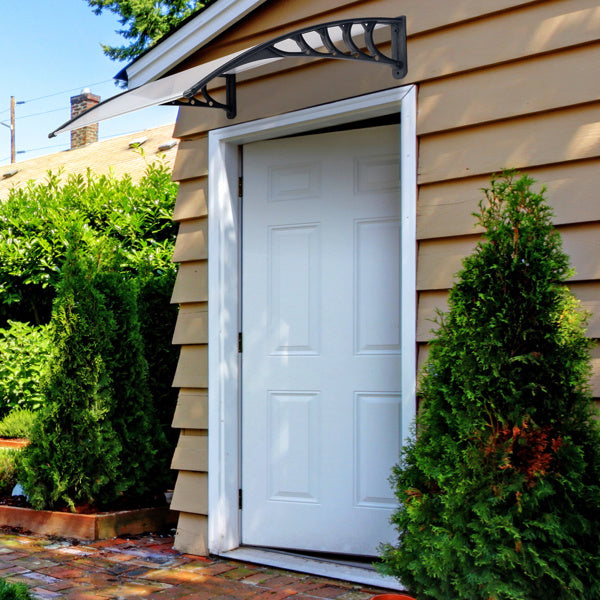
<point x="321" y="404"/>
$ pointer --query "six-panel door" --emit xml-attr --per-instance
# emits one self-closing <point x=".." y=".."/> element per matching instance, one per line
<point x="321" y="405"/>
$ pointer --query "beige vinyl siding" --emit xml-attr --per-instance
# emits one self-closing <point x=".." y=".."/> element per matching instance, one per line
<point x="501" y="83"/>
<point x="191" y="200"/>
<point x="540" y="83"/>
<point x="190" y="496"/>
<point x="191" y="453"/>
<point x="595" y="380"/>
<point x="192" y="158"/>
<point x="192" y="533"/>
<point x="192" y="241"/>
<point x="192" y="324"/>
<point x="192" y="368"/>
<point x="191" y="493"/>
<point x="192" y="410"/>
<point x="539" y="113"/>
<point x="589" y="297"/>
<point x="191" y="283"/>
<point x="445" y="209"/>
<point x="534" y="29"/>
<point x="522" y="142"/>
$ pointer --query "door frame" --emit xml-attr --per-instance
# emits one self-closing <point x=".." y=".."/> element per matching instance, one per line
<point x="224" y="289"/>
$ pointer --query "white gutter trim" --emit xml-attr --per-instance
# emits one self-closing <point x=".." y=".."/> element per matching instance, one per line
<point x="193" y="35"/>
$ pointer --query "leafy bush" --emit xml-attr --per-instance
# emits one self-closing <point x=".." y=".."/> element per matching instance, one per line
<point x="23" y="353"/>
<point x="97" y="438"/>
<point x="14" y="591"/>
<point x="500" y="491"/>
<point x="17" y="423"/>
<point x="35" y="221"/>
<point x="8" y="470"/>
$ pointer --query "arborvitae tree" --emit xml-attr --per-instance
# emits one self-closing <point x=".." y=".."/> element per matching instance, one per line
<point x="500" y="489"/>
<point x="74" y="452"/>
<point x="158" y="317"/>
<point x="98" y="440"/>
<point x="144" y="456"/>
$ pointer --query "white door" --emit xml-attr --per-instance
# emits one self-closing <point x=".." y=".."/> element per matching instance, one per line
<point x="321" y="405"/>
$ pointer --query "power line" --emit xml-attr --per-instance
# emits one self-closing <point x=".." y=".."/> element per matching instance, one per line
<point x="64" y="146"/>
<point x="46" y="147"/>
<point x="90" y="85"/>
<point x="46" y="112"/>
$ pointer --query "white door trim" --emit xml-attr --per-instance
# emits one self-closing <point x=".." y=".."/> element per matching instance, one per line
<point x="224" y="235"/>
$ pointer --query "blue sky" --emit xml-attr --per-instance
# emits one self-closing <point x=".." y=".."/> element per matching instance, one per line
<point x="51" y="51"/>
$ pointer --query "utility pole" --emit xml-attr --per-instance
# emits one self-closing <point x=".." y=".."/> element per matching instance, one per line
<point x="13" y="145"/>
<point x="13" y="148"/>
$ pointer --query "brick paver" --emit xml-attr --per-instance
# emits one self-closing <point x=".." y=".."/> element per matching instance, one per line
<point x="147" y="567"/>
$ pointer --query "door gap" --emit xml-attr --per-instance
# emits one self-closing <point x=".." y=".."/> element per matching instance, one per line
<point x="351" y="560"/>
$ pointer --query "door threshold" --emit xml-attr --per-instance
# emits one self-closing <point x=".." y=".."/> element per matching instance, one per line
<point x="323" y="567"/>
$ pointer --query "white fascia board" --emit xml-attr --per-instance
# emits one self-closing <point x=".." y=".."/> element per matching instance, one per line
<point x="193" y="35"/>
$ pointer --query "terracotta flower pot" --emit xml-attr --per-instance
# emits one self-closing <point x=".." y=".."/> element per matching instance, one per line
<point x="392" y="597"/>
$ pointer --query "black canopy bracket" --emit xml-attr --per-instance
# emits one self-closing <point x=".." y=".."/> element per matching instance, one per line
<point x="207" y="101"/>
<point x="322" y="47"/>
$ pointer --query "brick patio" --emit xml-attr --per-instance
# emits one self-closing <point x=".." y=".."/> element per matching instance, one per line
<point x="148" y="567"/>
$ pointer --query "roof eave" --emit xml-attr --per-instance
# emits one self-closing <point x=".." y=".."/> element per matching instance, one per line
<point x="196" y="33"/>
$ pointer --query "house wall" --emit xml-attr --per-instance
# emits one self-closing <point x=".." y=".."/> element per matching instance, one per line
<point x="501" y="83"/>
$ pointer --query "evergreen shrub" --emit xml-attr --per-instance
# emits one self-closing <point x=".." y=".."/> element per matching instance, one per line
<point x="96" y="439"/>
<point x="144" y="458"/>
<point x="499" y="491"/>
<point x="157" y="324"/>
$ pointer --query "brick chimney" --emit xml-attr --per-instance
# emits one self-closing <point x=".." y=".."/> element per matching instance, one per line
<point x="86" y="135"/>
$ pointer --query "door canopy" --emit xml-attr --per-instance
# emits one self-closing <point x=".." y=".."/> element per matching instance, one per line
<point x="336" y="39"/>
<point x="348" y="39"/>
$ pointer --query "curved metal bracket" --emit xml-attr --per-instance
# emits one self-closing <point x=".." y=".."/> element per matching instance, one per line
<point x="207" y="101"/>
<point x="335" y="39"/>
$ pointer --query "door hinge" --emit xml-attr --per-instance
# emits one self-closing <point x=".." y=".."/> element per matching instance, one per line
<point x="240" y="342"/>
<point x="240" y="499"/>
<point x="240" y="187"/>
